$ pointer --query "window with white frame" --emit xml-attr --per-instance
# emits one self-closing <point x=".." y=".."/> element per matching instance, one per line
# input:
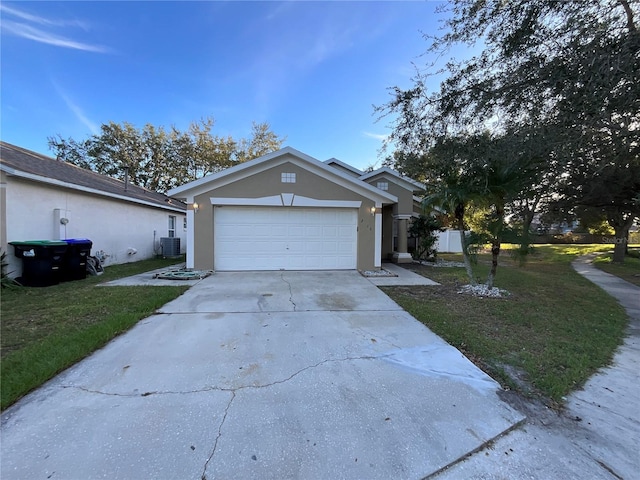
<point x="288" y="177"/>
<point x="172" y="226"/>
<point x="383" y="185"/>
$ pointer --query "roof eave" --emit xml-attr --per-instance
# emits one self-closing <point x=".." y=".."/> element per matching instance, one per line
<point x="189" y="190"/>
<point x="73" y="186"/>
<point x="410" y="183"/>
<point x="343" y="165"/>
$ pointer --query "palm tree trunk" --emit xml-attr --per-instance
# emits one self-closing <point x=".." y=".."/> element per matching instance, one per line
<point x="496" y="242"/>
<point x="495" y="252"/>
<point x="465" y="253"/>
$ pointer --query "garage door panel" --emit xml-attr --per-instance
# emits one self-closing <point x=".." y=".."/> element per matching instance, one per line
<point x="313" y="231"/>
<point x="297" y="231"/>
<point x="273" y="238"/>
<point x="312" y="247"/>
<point x="328" y="248"/>
<point x="343" y="248"/>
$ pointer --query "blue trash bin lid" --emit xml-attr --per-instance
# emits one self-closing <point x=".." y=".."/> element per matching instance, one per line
<point x="72" y="241"/>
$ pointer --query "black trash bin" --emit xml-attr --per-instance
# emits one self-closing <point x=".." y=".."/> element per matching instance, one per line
<point x="42" y="261"/>
<point x="75" y="262"/>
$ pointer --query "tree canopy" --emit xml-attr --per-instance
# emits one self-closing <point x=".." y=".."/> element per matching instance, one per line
<point x="160" y="159"/>
<point x="564" y="76"/>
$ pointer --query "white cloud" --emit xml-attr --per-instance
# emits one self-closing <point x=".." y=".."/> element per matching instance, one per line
<point x="376" y="136"/>
<point x="37" y="34"/>
<point x="41" y="20"/>
<point x="77" y="111"/>
<point x="308" y="36"/>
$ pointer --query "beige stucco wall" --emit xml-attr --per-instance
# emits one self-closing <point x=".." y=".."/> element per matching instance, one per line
<point x="268" y="183"/>
<point x="405" y="197"/>
<point x="115" y="227"/>
<point x="3" y="211"/>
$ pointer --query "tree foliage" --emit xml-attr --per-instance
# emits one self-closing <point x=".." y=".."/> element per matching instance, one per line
<point x="565" y="75"/>
<point x="159" y="159"/>
<point x="485" y="170"/>
<point x="423" y="228"/>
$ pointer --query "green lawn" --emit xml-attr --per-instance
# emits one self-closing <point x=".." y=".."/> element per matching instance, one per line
<point x="629" y="270"/>
<point x="45" y="330"/>
<point x="547" y="338"/>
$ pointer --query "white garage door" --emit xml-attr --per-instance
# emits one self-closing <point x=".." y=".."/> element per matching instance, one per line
<point x="284" y="238"/>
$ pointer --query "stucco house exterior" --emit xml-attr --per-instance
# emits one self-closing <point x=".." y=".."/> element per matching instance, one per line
<point x="42" y="198"/>
<point x="289" y="211"/>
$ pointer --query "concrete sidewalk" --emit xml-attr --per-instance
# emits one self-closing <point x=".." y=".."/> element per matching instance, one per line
<point x="598" y="434"/>
<point x="627" y="294"/>
<point x="403" y="277"/>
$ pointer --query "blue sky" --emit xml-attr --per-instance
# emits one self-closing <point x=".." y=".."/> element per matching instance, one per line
<point x="312" y="70"/>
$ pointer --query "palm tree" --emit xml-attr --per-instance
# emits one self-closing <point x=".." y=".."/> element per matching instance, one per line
<point x="484" y="170"/>
<point x="452" y="194"/>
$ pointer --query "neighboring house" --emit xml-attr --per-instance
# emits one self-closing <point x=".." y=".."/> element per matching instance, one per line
<point x="288" y="211"/>
<point x="46" y="199"/>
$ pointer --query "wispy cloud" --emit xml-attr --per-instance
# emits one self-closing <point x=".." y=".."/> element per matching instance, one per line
<point x="321" y="34"/>
<point x="77" y="111"/>
<point x="25" y="28"/>
<point x="307" y="38"/>
<point x="376" y="136"/>
<point x="41" y="20"/>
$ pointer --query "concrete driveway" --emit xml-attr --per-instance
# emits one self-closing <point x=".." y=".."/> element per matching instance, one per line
<point x="269" y="375"/>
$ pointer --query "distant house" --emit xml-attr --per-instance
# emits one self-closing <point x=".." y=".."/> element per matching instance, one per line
<point x="42" y="198"/>
<point x="289" y="211"/>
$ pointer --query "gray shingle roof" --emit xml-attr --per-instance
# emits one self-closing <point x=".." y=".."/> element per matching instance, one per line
<point x="37" y="167"/>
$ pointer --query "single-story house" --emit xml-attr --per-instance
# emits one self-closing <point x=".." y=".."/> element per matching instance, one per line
<point x="289" y="211"/>
<point x="42" y="198"/>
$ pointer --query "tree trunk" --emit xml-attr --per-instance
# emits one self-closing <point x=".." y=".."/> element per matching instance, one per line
<point x="526" y="227"/>
<point x="465" y="253"/>
<point x="620" y="247"/>
<point x="496" y="241"/>
<point x="495" y="251"/>
<point x="525" y="241"/>
<point x="621" y="226"/>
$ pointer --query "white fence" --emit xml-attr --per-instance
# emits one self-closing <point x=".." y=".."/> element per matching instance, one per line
<point x="449" y="241"/>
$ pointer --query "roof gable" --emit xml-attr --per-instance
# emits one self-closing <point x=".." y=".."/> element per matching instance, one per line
<point x="20" y="162"/>
<point x="286" y="154"/>
<point x="395" y="177"/>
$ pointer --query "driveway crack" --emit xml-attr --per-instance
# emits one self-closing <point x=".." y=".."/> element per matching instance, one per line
<point x="215" y="444"/>
<point x="316" y="365"/>
<point x="373" y="337"/>
<point x="148" y="394"/>
<point x="290" y="292"/>
<point x="233" y="390"/>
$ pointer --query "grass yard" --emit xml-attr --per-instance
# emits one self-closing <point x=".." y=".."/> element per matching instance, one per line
<point x="546" y="339"/>
<point x="46" y="330"/>
<point x="629" y="270"/>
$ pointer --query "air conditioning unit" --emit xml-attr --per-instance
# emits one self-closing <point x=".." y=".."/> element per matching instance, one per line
<point x="170" y="246"/>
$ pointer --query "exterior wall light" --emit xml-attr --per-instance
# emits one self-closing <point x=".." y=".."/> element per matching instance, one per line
<point x="196" y="207"/>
